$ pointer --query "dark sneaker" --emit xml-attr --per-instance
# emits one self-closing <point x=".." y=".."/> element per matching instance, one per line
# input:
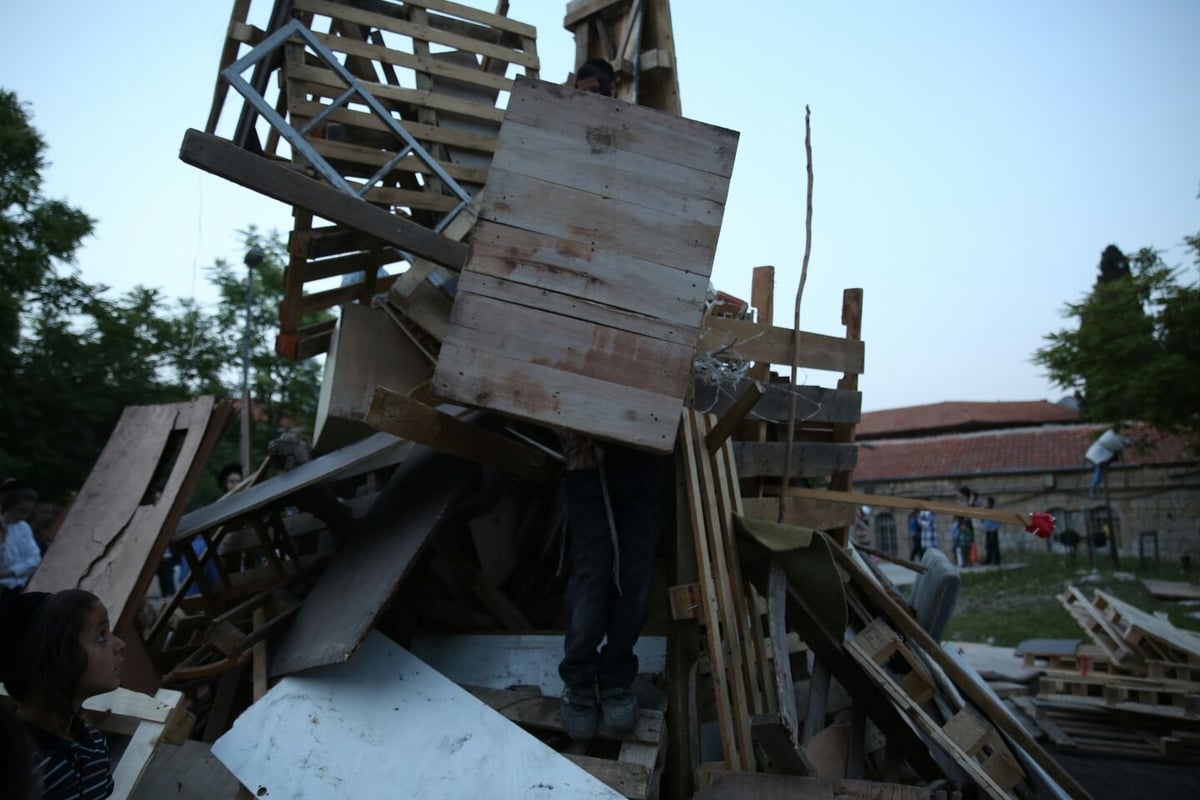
<point x="579" y="713"/>
<point x="620" y="708"/>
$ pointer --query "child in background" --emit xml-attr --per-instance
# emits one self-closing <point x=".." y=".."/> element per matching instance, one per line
<point x="19" y="553"/>
<point x="58" y="652"/>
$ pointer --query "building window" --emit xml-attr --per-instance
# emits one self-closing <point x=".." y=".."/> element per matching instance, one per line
<point x="885" y="532"/>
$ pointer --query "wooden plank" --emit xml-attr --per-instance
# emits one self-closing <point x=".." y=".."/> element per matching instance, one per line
<point x="732" y="419"/>
<point x="354" y="368"/>
<point x="423" y="32"/>
<point x="629" y="780"/>
<point x="1172" y="590"/>
<point x="403" y="416"/>
<point x="549" y="396"/>
<point x="357" y="716"/>
<point x="697" y="508"/>
<point x="814" y="404"/>
<point x="609" y="277"/>
<point x="497" y="21"/>
<point x="185" y="772"/>
<point x="772" y="735"/>
<point x="279" y="487"/>
<point x="582" y="348"/>
<point x="385" y="55"/>
<point x="561" y="304"/>
<point x="580" y="10"/>
<point x="129" y="769"/>
<point x="364" y="574"/>
<point x="800" y="512"/>
<point x="765" y="459"/>
<point x="500" y="660"/>
<point x="282" y="183"/>
<point x="312" y="75"/>
<point x="602" y="221"/>
<point x="829" y="649"/>
<point x="637" y="129"/>
<point x="852" y="300"/>
<point x="746" y="341"/>
<point x="740" y="786"/>
<point x="589" y="162"/>
<point x="115" y="533"/>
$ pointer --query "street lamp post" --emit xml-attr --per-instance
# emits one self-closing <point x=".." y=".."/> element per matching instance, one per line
<point x="254" y="257"/>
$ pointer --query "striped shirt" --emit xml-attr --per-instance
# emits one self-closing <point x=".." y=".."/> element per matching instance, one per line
<point x="72" y="770"/>
<point x="929" y="537"/>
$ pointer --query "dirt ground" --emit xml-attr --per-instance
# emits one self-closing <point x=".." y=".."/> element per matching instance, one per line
<point x="1121" y="779"/>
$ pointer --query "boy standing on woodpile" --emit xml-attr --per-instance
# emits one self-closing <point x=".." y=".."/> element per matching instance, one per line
<point x="615" y="513"/>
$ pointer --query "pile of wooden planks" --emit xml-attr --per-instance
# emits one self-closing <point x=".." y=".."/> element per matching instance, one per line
<point x="1133" y="693"/>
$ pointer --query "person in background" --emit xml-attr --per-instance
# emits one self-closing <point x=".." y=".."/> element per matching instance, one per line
<point x="19" y="553"/>
<point x="929" y="536"/>
<point x="991" y="537"/>
<point x="59" y="651"/>
<point x="914" y="536"/>
<point x="229" y="477"/>
<point x="615" y="512"/>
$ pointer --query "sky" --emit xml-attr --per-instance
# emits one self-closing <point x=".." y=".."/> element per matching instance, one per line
<point x="971" y="159"/>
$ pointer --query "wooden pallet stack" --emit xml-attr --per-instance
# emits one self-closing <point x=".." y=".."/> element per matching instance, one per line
<point x="1133" y="693"/>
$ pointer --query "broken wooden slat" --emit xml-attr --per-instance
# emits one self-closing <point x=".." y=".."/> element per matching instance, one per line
<point x="746" y="341"/>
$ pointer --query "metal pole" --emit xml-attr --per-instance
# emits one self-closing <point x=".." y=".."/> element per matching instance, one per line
<point x="253" y="258"/>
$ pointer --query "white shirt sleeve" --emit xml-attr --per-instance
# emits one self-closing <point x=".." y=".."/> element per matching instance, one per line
<point x="25" y="552"/>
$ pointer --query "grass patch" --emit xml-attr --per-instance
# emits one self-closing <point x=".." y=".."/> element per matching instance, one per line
<point x="1008" y="606"/>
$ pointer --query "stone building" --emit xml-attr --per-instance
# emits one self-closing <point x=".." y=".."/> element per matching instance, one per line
<point x="1029" y="456"/>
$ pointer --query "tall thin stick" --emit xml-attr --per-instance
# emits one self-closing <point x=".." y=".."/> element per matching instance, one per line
<point x="791" y="429"/>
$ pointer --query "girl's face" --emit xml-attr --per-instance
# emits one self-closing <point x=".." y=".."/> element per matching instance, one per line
<point x="19" y="511"/>
<point x="105" y="654"/>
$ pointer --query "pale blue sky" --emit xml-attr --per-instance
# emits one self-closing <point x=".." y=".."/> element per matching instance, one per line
<point x="972" y="159"/>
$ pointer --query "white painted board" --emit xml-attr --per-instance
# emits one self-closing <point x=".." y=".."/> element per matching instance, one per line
<point x="385" y="724"/>
<point x="500" y="661"/>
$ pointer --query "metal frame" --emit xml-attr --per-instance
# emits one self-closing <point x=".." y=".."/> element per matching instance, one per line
<point x="233" y="74"/>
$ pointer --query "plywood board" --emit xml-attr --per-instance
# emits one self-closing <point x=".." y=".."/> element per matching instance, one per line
<point x="117" y="529"/>
<point x="388" y="725"/>
<point x="367" y="569"/>
<point x="368" y="350"/>
<point x="582" y="298"/>
<point x="281" y="486"/>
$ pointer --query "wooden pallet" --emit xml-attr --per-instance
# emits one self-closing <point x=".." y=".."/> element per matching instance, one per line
<point x="1102" y="631"/>
<point x="1156" y="638"/>
<point x="967" y="737"/>
<point x="1099" y="731"/>
<point x="1116" y="691"/>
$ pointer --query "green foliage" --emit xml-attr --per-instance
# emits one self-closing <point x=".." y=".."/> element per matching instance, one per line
<point x="1135" y="354"/>
<point x="74" y="357"/>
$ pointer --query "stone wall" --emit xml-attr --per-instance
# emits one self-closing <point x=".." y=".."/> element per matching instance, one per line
<point x="1154" y="498"/>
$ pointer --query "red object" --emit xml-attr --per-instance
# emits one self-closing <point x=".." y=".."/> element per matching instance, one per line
<point x="1041" y="524"/>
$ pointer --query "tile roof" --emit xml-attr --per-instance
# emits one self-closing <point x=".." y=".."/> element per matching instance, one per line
<point x="1042" y="449"/>
<point x="960" y="416"/>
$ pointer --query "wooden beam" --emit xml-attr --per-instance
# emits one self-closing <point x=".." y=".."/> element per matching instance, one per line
<point x="889" y="501"/>
<point x="765" y="459"/>
<point x="275" y="180"/>
<point x="403" y="416"/>
<point x="732" y="419"/>
<point x="735" y="338"/>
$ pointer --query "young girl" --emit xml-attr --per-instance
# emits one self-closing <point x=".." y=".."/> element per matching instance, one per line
<point x="58" y="652"/>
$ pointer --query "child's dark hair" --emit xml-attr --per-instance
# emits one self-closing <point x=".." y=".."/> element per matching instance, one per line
<point x="226" y="471"/>
<point x="16" y="491"/>
<point x="42" y="660"/>
<point x="596" y="68"/>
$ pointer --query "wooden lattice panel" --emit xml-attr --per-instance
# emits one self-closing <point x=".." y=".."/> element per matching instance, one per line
<point x="581" y="301"/>
<point x="442" y="69"/>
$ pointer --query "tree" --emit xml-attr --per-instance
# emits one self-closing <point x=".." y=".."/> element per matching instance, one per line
<point x="73" y="357"/>
<point x="1135" y="354"/>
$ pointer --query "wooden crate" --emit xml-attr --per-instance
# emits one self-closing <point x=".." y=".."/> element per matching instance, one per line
<point x="581" y="301"/>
